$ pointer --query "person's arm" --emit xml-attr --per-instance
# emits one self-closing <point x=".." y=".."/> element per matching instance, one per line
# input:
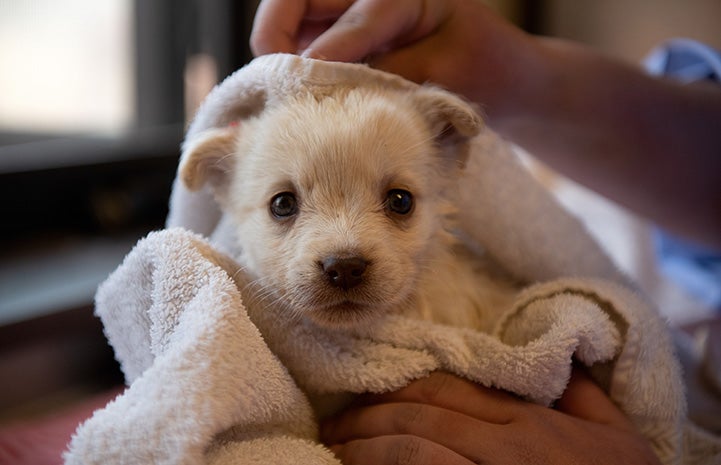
<point x="650" y="144"/>
<point x="445" y="419"/>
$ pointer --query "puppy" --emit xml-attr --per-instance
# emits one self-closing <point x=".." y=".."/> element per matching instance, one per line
<point x="342" y="207"/>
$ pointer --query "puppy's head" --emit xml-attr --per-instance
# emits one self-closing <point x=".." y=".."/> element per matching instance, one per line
<point x="339" y="201"/>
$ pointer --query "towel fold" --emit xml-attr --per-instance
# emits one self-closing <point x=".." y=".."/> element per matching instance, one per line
<point x="195" y="364"/>
<point x="219" y="374"/>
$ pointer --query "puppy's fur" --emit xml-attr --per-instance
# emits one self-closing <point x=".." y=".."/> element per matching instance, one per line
<point x="342" y="207"/>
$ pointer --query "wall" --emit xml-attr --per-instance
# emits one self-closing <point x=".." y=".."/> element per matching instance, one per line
<point x="630" y="29"/>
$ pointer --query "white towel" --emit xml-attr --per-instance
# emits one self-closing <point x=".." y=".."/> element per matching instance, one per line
<point x="218" y="375"/>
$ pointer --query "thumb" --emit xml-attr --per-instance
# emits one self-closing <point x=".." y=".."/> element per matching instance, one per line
<point x="364" y="29"/>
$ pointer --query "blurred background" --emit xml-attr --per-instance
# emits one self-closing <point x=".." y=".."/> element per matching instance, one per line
<point x="94" y="97"/>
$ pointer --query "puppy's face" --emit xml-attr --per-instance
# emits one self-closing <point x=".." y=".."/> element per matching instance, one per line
<point x="339" y="202"/>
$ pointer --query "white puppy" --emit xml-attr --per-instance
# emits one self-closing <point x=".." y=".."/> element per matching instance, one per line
<point x="343" y="206"/>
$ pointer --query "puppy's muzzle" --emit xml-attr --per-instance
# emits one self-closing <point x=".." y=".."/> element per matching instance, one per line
<point x="344" y="273"/>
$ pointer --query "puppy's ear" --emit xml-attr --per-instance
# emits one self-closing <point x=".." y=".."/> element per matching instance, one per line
<point x="208" y="157"/>
<point x="453" y="120"/>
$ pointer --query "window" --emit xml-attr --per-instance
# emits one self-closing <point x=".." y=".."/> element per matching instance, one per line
<point x="92" y="111"/>
<point x="87" y="81"/>
<point x="68" y="66"/>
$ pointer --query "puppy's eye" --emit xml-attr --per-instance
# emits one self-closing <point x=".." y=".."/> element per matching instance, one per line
<point x="399" y="201"/>
<point x="283" y="205"/>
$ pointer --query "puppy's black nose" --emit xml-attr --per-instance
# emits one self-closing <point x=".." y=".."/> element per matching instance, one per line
<point x="344" y="273"/>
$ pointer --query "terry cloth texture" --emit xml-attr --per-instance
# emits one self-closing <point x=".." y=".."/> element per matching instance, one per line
<point x="217" y="374"/>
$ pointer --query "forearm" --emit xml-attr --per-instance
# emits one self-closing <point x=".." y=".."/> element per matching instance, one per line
<point x="650" y="144"/>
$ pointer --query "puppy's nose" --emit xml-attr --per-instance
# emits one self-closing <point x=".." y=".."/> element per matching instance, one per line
<point x="344" y="273"/>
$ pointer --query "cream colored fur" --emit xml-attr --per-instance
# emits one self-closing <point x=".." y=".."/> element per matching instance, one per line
<point x="340" y="156"/>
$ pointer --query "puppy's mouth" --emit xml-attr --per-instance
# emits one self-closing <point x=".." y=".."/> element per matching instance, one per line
<point x="344" y="313"/>
<point x="345" y="306"/>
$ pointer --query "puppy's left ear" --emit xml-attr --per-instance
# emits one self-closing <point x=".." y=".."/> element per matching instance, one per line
<point x="208" y="158"/>
<point x="453" y="120"/>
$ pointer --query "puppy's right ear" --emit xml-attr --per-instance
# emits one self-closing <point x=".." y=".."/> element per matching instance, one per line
<point x="208" y="158"/>
<point x="452" y="120"/>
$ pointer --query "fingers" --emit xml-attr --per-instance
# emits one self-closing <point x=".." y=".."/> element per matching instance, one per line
<point x="395" y="450"/>
<point x="343" y="30"/>
<point x="447" y="428"/>
<point x="457" y="394"/>
<point x="278" y="24"/>
<point x="586" y="400"/>
<point x="437" y="415"/>
<point x="445" y="419"/>
<point x="275" y="26"/>
<point x="365" y="28"/>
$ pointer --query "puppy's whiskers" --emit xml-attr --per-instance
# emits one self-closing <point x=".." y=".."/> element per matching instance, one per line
<point x="264" y="293"/>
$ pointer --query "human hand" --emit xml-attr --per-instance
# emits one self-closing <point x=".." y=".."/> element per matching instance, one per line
<point x="445" y="419"/>
<point x="458" y="44"/>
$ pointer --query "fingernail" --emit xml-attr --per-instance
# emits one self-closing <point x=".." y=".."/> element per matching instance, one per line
<point x="310" y="53"/>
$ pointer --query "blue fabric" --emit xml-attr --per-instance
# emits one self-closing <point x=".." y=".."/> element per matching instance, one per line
<point x="694" y="267"/>
<point x="685" y="60"/>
